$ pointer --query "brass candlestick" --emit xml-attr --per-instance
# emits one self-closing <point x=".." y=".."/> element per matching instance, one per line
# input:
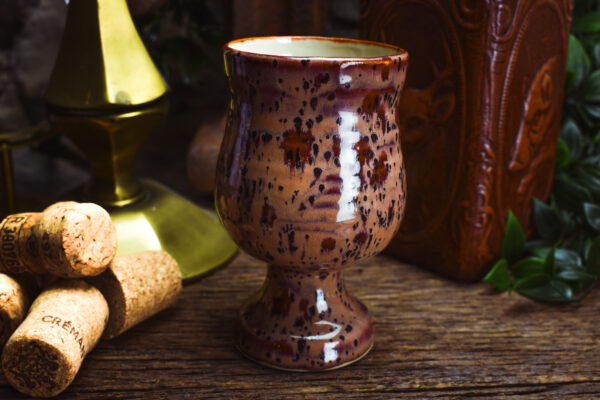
<point x="106" y="96"/>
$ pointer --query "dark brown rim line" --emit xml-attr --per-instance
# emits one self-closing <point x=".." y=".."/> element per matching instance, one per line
<point x="400" y="53"/>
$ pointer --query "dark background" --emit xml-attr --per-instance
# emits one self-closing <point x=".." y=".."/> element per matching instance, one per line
<point x="184" y="38"/>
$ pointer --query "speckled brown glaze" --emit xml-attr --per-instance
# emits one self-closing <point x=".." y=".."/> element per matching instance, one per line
<point x="310" y="179"/>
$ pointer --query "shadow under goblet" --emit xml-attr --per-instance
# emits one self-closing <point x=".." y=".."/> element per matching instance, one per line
<point x="310" y="179"/>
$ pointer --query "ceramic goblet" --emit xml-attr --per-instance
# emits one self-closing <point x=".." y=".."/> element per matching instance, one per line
<point x="310" y="180"/>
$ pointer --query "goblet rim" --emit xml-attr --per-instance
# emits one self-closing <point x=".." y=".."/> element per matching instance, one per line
<point x="398" y="52"/>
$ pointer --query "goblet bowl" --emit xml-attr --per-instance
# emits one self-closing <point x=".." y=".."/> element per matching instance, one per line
<point x="310" y="179"/>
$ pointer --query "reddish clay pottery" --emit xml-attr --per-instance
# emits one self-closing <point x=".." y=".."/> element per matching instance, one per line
<point x="479" y="120"/>
<point x="310" y="179"/>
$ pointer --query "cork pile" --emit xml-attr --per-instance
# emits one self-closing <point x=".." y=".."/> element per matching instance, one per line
<point x="92" y="293"/>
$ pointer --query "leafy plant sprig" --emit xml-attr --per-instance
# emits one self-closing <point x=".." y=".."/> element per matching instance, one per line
<point x="563" y="264"/>
<point x="541" y="271"/>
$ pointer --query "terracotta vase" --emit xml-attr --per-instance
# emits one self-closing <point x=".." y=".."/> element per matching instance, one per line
<point x="479" y="120"/>
<point x="310" y="179"/>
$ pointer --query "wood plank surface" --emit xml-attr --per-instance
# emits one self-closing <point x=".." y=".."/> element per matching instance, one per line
<point x="435" y="338"/>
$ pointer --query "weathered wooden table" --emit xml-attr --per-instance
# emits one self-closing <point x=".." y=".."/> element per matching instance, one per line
<point x="434" y="339"/>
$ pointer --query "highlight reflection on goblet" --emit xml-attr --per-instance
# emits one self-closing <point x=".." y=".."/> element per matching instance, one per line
<point x="310" y="180"/>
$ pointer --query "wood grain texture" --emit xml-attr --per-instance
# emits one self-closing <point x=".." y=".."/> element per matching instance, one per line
<point x="479" y="120"/>
<point x="434" y="339"/>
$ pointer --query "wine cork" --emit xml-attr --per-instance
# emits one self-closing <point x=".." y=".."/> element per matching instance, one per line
<point x="45" y="353"/>
<point x="138" y="286"/>
<point x="14" y="301"/>
<point x="68" y="239"/>
<point x="18" y="249"/>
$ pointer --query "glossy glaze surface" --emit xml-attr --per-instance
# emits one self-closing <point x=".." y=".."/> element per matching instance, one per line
<point x="310" y="179"/>
<point x="304" y="321"/>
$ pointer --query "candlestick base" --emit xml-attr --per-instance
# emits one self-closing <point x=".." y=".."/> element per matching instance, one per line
<point x="163" y="219"/>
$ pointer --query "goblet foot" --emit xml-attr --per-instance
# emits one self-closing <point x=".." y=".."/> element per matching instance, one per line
<point x="304" y="321"/>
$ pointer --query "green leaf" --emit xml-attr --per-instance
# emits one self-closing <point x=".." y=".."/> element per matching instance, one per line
<point x="549" y="262"/>
<point x="566" y="257"/>
<point x="531" y="281"/>
<point x="532" y="245"/>
<point x="542" y="288"/>
<point x="586" y="289"/>
<point x="586" y="248"/>
<point x="574" y="275"/>
<point x="499" y="277"/>
<point x="576" y="110"/>
<point x="563" y="289"/>
<point x="579" y="192"/>
<point x="571" y="224"/>
<point x="542" y="252"/>
<point x="596" y="52"/>
<point x="542" y="293"/>
<point x="591" y="165"/>
<point x="528" y="266"/>
<point x="592" y="109"/>
<point x="592" y="215"/>
<point x="513" y="242"/>
<point x="563" y="154"/>
<point x="593" y="258"/>
<point x="588" y="175"/>
<point x="577" y="242"/>
<point x="570" y="78"/>
<point x="570" y="194"/>
<point x="578" y="62"/>
<point x="594" y="158"/>
<point x="588" y="23"/>
<point x="548" y="221"/>
<point x="573" y="137"/>
<point x="591" y="92"/>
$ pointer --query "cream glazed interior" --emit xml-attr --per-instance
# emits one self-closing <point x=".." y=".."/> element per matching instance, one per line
<point x="313" y="47"/>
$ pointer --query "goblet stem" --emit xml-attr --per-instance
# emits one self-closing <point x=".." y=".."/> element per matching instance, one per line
<point x="304" y="321"/>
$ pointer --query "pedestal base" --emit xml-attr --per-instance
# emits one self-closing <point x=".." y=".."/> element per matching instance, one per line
<point x="162" y="219"/>
<point x="304" y="321"/>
